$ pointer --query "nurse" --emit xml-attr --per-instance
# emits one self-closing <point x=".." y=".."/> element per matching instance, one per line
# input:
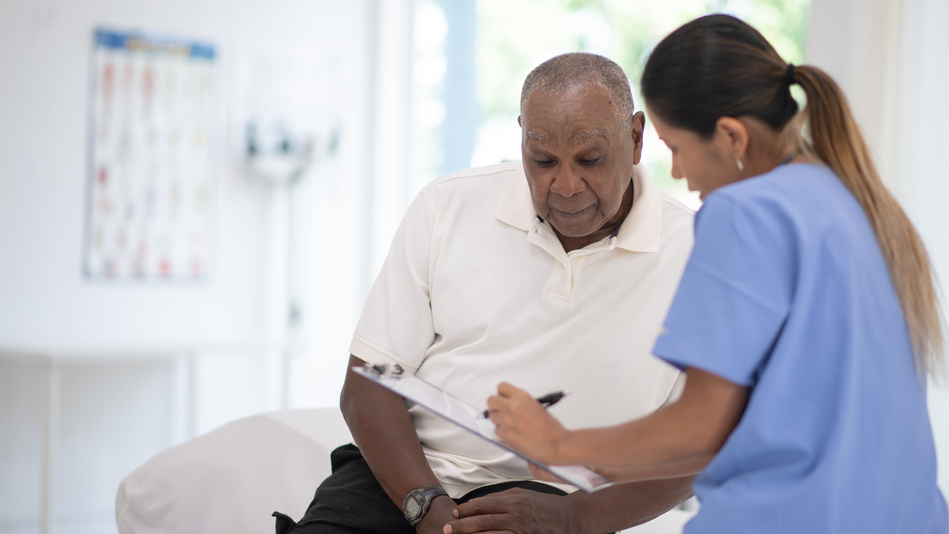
<point x="806" y="319"/>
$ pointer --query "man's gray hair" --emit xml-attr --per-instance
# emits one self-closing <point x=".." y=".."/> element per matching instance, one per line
<point x="559" y="74"/>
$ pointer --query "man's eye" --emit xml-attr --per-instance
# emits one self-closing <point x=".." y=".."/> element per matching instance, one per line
<point x="589" y="161"/>
<point x="544" y="162"/>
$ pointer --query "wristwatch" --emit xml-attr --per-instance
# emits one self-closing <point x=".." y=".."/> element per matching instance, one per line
<point x="416" y="503"/>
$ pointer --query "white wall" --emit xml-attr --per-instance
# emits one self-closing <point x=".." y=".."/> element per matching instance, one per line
<point x="333" y="274"/>
<point x="44" y="52"/>
<point x="137" y="367"/>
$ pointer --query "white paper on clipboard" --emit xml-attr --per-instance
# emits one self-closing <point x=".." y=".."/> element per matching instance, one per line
<point x="468" y="417"/>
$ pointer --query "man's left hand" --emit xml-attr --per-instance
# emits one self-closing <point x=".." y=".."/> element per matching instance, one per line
<point x="517" y="510"/>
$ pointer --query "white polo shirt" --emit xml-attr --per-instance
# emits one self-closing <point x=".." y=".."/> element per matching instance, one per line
<point x="476" y="289"/>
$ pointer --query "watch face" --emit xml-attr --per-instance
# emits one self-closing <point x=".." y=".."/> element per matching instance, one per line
<point x="412" y="507"/>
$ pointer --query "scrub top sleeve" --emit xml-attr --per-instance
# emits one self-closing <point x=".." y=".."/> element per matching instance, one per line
<point x="735" y="293"/>
<point x="396" y="324"/>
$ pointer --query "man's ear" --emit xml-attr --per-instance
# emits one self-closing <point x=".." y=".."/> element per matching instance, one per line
<point x="519" y="121"/>
<point x="636" y="131"/>
<point x="732" y="136"/>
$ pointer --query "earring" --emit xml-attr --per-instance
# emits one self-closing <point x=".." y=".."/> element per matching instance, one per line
<point x="741" y="167"/>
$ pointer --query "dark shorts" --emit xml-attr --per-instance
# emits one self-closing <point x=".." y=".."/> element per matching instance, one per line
<point x="351" y="501"/>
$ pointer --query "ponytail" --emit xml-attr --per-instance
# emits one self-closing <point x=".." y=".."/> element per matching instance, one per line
<point x="836" y="140"/>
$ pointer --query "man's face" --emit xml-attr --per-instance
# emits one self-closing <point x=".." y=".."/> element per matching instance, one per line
<point x="579" y="160"/>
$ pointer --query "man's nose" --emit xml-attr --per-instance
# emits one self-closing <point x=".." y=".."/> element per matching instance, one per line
<point x="568" y="182"/>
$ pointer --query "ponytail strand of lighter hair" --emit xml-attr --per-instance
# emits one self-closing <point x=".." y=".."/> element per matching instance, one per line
<point x="837" y="141"/>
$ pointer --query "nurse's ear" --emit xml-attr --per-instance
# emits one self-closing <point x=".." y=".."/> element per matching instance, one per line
<point x="731" y="137"/>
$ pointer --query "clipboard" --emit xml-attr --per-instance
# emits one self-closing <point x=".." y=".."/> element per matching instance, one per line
<point x="459" y="412"/>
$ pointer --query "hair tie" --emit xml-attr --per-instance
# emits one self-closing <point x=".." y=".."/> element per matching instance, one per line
<point x="789" y="75"/>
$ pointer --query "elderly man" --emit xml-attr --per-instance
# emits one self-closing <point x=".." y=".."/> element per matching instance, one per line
<point x="554" y="273"/>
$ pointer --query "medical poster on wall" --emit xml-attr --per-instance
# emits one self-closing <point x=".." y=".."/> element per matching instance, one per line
<point x="151" y="165"/>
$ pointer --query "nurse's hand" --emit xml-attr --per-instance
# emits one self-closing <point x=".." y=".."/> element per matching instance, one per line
<point x="545" y="475"/>
<point x="525" y="425"/>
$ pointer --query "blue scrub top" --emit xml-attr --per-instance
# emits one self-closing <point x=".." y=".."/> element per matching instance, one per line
<point x="787" y="293"/>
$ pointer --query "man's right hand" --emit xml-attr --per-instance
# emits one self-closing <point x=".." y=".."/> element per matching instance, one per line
<point x="518" y="511"/>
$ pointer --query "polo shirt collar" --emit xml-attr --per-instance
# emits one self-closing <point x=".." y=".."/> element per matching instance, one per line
<point x="639" y="232"/>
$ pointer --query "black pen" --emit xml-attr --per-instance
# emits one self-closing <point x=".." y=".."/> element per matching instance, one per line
<point x="546" y="401"/>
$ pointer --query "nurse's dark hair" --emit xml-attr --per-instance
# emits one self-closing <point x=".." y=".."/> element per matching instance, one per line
<point x="718" y="66"/>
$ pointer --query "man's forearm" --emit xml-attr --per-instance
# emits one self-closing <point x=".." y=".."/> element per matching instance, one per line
<point x="382" y="429"/>
<point x="626" y="505"/>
